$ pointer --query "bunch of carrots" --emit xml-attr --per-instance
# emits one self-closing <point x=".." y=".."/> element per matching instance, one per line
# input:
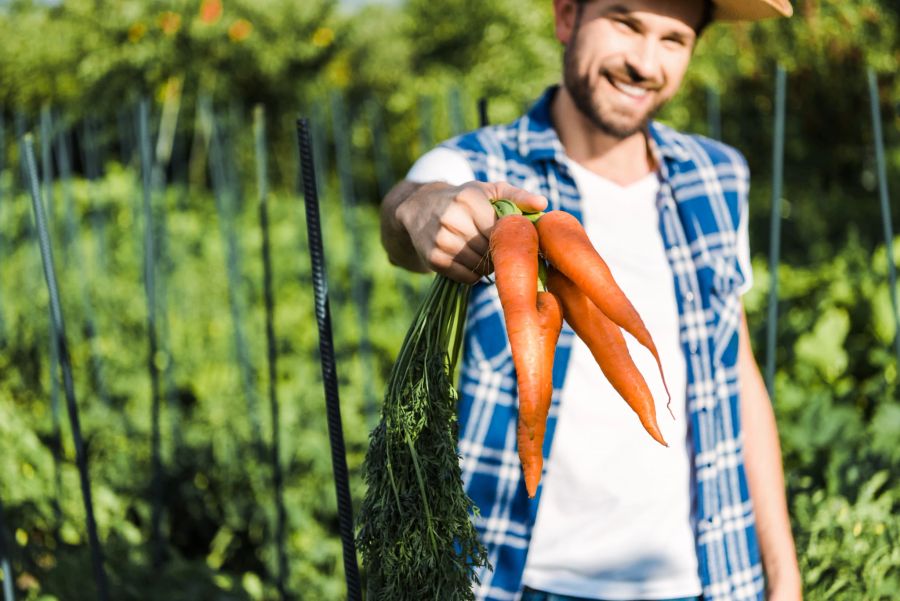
<point x="547" y="270"/>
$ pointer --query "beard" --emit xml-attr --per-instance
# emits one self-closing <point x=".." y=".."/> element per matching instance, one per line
<point x="605" y="118"/>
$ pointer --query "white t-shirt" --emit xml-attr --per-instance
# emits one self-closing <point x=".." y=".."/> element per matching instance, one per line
<point x="615" y="518"/>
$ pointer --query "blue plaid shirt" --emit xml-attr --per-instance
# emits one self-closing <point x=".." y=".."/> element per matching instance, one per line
<point x="704" y="188"/>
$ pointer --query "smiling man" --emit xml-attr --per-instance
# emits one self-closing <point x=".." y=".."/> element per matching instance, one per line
<point x="617" y="517"/>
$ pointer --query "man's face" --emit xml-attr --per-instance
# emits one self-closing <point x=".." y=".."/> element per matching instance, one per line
<point x="625" y="59"/>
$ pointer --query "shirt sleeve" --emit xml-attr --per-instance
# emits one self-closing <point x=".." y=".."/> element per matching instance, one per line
<point x="743" y="251"/>
<point x="441" y="165"/>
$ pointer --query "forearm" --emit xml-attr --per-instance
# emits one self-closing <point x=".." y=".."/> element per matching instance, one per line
<point x="765" y="477"/>
<point x="394" y="237"/>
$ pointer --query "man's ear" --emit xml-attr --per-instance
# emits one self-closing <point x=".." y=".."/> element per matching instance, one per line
<point x="565" y="13"/>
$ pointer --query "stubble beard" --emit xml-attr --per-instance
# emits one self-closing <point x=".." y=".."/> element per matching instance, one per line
<point x="579" y="88"/>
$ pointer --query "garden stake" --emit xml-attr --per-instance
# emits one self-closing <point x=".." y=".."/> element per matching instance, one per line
<point x="885" y="202"/>
<point x="156" y="485"/>
<point x="126" y="135"/>
<point x="454" y="107"/>
<point x="225" y="195"/>
<point x="66" y="364"/>
<point x="426" y="118"/>
<point x="713" y="113"/>
<point x="775" y="244"/>
<point x="162" y="156"/>
<point x="55" y="435"/>
<point x="259" y="135"/>
<point x="326" y="355"/>
<point x="73" y="251"/>
<point x="359" y="287"/>
<point x="5" y="552"/>
<point x="92" y="161"/>
<point x="483" y="120"/>
<point x="380" y="150"/>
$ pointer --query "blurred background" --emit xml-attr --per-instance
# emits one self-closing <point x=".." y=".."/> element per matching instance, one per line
<point x="159" y="126"/>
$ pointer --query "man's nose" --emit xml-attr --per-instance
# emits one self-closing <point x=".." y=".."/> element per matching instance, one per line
<point x="642" y="61"/>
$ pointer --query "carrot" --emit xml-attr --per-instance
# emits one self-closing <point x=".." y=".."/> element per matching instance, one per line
<point x="550" y="320"/>
<point x="565" y="245"/>
<point x="607" y="344"/>
<point x="514" y="250"/>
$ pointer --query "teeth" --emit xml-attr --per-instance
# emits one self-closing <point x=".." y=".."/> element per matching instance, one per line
<point x="629" y="89"/>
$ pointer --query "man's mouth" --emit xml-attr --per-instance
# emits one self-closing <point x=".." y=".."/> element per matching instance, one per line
<point x="632" y="91"/>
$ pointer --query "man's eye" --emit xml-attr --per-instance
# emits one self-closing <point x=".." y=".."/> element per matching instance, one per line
<point x="625" y="25"/>
<point x="675" y="42"/>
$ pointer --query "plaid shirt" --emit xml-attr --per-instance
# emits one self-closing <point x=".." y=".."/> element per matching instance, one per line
<point x="704" y="186"/>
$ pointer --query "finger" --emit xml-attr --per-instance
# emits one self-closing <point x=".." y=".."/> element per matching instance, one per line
<point x="523" y="199"/>
<point x="445" y="264"/>
<point x="476" y="201"/>
<point x="458" y="250"/>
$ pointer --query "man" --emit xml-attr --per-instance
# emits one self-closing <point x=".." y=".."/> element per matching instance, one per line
<point x="617" y="517"/>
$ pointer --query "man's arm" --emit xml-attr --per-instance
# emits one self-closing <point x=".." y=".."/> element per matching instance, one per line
<point x="765" y="477"/>
<point x="444" y="228"/>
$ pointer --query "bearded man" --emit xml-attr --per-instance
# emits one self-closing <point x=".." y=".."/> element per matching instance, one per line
<point x="617" y="516"/>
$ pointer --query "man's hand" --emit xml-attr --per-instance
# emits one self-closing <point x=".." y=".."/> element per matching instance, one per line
<point x="447" y="228"/>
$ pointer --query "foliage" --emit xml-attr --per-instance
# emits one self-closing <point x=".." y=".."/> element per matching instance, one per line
<point x="416" y="69"/>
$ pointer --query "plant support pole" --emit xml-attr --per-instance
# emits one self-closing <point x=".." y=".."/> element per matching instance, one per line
<point x="775" y="242"/>
<point x="326" y="354"/>
<point x="259" y="135"/>
<point x="66" y="364"/>
<point x="5" y="569"/>
<point x="150" y="292"/>
<point x="885" y="203"/>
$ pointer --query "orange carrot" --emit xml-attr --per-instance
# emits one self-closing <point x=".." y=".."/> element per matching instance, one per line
<point x="607" y="344"/>
<point x="550" y="319"/>
<point x="514" y="250"/>
<point x="565" y="244"/>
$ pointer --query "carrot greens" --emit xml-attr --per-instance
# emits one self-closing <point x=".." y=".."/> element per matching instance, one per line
<point x="416" y="533"/>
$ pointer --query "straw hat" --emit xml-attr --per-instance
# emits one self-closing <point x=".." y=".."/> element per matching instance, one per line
<point x="750" y="10"/>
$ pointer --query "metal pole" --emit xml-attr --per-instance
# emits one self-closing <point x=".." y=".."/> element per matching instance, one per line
<point x="775" y="242"/>
<point x="156" y="485"/>
<point x="66" y="364"/>
<point x="483" y="120"/>
<point x="454" y="107"/>
<point x="259" y="135"/>
<point x="75" y="257"/>
<point x="5" y="568"/>
<point x="885" y="202"/>
<point x="326" y="355"/>
<point x="713" y="113"/>
<point x="224" y="192"/>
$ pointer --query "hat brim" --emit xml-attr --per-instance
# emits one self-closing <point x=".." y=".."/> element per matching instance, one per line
<point x="751" y="10"/>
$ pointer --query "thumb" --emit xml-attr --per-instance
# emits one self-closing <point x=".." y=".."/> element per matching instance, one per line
<point x="528" y="202"/>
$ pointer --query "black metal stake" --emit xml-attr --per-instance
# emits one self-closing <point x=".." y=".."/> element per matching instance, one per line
<point x="259" y="131"/>
<point x="483" y="120"/>
<point x="66" y="364"/>
<point x="156" y="485"/>
<point x="326" y="354"/>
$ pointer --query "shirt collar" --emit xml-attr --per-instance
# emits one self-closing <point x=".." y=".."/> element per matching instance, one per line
<point x="537" y="140"/>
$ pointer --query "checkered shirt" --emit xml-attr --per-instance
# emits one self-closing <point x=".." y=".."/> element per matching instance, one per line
<point x="704" y="188"/>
